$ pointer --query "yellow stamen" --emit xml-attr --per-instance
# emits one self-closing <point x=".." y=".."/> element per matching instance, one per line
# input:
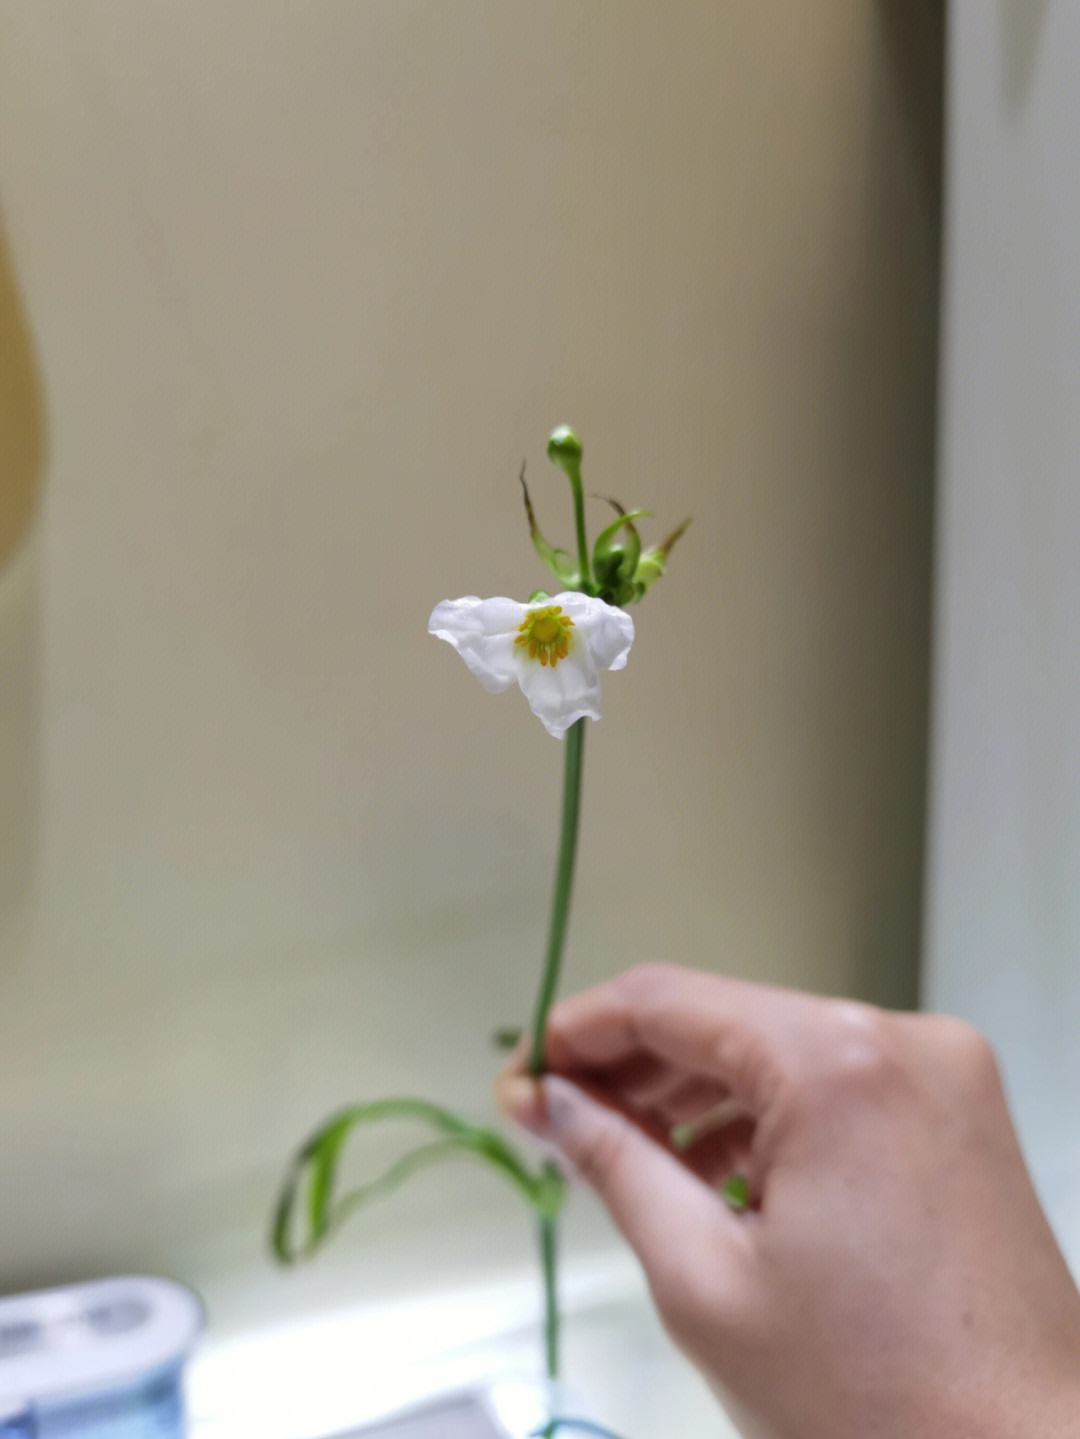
<point x="545" y="634"/>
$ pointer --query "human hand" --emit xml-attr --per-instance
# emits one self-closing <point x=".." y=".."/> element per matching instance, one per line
<point x="893" y="1274"/>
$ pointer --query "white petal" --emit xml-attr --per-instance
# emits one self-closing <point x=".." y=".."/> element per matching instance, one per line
<point x="482" y="632"/>
<point x="561" y="693"/>
<point x="608" y="631"/>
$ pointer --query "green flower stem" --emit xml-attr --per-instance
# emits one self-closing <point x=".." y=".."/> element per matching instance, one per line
<point x="548" y="1256"/>
<point x="573" y="474"/>
<point x="564" y="450"/>
<point x="560" y="913"/>
<point x="560" y="905"/>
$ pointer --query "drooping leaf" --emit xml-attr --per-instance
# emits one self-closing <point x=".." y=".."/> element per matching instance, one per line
<point x="310" y="1202"/>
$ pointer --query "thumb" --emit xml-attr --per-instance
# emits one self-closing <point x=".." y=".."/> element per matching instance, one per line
<point x="661" y="1208"/>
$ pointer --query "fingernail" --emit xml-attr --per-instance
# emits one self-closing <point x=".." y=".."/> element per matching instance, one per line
<point x="561" y="1101"/>
<point x="521" y="1100"/>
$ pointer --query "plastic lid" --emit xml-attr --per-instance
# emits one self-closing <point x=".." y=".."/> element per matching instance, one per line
<point x="93" y="1338"/>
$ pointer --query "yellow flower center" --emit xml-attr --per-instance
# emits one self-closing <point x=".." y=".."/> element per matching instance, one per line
<point x="545" y="634"/>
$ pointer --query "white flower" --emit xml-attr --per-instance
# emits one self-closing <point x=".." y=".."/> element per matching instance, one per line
<point x="554" y="649"/>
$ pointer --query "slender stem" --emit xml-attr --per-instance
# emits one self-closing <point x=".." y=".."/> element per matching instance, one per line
<point x="547" y="1231"/>
<point x="573" y="474"/>
<point x="560" y="913"/>
<point x="560" y="904"/>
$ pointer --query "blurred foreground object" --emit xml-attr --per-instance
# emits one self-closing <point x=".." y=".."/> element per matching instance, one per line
<point x="88" y="1361"/>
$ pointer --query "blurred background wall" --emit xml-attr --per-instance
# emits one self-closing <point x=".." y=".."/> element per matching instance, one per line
<point x="299" y="287"/>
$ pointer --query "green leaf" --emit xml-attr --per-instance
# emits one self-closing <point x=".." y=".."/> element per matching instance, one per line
<point x="309" y="1201"/>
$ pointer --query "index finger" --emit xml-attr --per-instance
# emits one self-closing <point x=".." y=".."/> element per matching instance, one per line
<point x="729" y="1030"/>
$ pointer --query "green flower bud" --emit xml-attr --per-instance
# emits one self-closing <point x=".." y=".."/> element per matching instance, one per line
<point x="616" y="569"/>
<point x="564" y="449"/>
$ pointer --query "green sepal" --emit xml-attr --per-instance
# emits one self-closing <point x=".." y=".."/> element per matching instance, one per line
<point x="559" y="563"/>
<point x="613" y="562"/>
<point x="562" y="565"/>
<point x="650" y="568"/>
<point x="652" y="562"/>
<point x="627" y="518"/>
<point x="308" y="1199"/>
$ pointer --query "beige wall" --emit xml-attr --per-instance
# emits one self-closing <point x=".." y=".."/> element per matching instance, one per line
<point x="306" y="282"/>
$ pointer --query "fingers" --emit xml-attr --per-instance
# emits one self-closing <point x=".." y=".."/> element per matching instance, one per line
<point x="731" y="1032"/>
<point x="643" y="1186"/>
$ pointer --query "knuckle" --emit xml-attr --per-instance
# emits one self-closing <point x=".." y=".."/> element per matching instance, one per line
<point x="968" y="1053"/>
<point x="864" y="1050"/>
<point x="644" y="982"/>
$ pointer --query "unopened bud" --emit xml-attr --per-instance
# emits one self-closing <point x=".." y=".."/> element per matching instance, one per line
<point x="564" y="449"/>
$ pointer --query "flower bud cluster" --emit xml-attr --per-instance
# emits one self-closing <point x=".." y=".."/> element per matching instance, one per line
<point x="615" y="569"/>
